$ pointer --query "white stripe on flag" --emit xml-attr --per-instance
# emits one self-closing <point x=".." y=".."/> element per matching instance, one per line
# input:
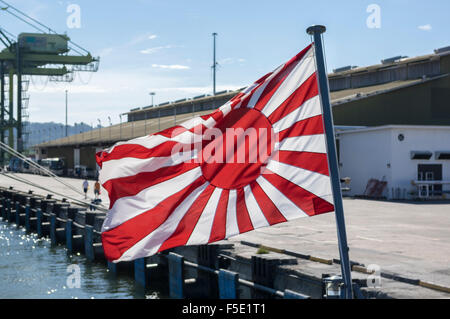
<point x="232" y="227"/>
<point x="150" y="244"/>
<point x="129" y="166"/>
<point x="256" y="215"/>
<point x="187" y="137"/>
<point x="302" y="71"/>
<point x="200" y="234"/>
<point x="287" y="208"/>
<point x="125" y="208"/>
<point x="307" y="110"/>
<point x="226" y="108"/>
<point x="257" y="93"/>
<point x="193" y="122"/>
<point x="318" y="184"/>
<point x="146" y="141"/>
<point x="305" y="143"/>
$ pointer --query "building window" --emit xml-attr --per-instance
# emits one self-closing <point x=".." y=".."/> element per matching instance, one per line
<point x="443" y="155"/>
<point x="421" y="155"/>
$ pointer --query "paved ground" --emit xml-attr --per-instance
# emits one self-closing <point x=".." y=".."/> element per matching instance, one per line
<point x="412" y="239"/>
<point x="405" y="238"/>
<point x="58" y="187"/>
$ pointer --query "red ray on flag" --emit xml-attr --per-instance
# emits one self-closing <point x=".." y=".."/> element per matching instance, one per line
<point x="259" y="160"/>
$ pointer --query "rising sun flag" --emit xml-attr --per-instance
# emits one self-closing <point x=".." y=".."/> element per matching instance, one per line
<point x="259" y="160"/>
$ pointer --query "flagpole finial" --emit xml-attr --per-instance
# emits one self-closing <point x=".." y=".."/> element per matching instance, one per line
<point x="316" y="29"/>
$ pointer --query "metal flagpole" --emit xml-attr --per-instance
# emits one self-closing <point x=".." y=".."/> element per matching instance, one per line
<point x="316" y="31"/>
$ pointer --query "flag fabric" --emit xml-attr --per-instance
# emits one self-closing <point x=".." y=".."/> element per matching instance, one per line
<point x="258" y="160"/>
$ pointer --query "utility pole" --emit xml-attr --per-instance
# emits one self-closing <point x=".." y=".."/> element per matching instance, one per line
<point x="100" y="129"/>
<point x="19" y="98"/>
<point x="159" y="120"/>
<point x="214" y="63"/>
<point x="152" y="94"/>
<point x="2" y="105"/>
<point x="120" y="115"/>
<point x="110" y="124"/>
<point x="66" y="115"/>
<point x="11" y="109"/>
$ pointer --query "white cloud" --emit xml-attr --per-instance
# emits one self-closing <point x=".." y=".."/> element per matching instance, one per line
<point x="426" y="27"/>
<point x="198" y="89"/>
<point x="231" y="61"/>
<point x="105" y="52"/>
<point x="77" y="89"/>
<point x="226" y="61"/>
<point x="141" y="38"/>
<point x="171" y="66"/>
<point x="156" y="49"/>
<point x="134" y="41"/>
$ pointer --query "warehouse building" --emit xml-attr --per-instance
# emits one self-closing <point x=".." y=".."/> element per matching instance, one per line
<point x="396" y="161"/>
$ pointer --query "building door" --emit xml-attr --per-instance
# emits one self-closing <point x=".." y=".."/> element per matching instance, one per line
<point x="431" y="172"/>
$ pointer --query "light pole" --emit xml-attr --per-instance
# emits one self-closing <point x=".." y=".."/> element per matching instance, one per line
<point x="120" y="115"/>
<point x="175" y="114"/>
<point x="100" y="129"/>
<point x="110" y="124"/>
<point x="66" y="113"/>
<point x="214" y="62"/>
<point x="145" y="123"/>
<point x="159" y="119"/>
<point x="152" y="94"/>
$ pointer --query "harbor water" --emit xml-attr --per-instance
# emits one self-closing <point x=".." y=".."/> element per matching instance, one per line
<point x="30" y="268"/>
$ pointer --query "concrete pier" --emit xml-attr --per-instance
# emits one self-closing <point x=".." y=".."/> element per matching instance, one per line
<point x="289" y="260"/>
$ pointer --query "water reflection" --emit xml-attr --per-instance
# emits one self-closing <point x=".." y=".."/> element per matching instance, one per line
<point x="31" y="268"/>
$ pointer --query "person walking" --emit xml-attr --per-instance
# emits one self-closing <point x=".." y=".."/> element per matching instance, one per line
<point x="97" y="189"/>
<point x="85" y="188"/>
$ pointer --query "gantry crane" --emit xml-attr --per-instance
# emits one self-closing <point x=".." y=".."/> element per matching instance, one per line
<point x="33" y="54"/>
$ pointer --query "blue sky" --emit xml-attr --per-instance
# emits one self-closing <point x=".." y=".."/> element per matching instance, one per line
<point x="166" y="46"/>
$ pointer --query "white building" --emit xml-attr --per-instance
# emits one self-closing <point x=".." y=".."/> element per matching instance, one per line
<point x="413" y="160"/>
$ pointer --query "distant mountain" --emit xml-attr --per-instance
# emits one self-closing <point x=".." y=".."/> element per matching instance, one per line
<point x="44" y="132"/>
